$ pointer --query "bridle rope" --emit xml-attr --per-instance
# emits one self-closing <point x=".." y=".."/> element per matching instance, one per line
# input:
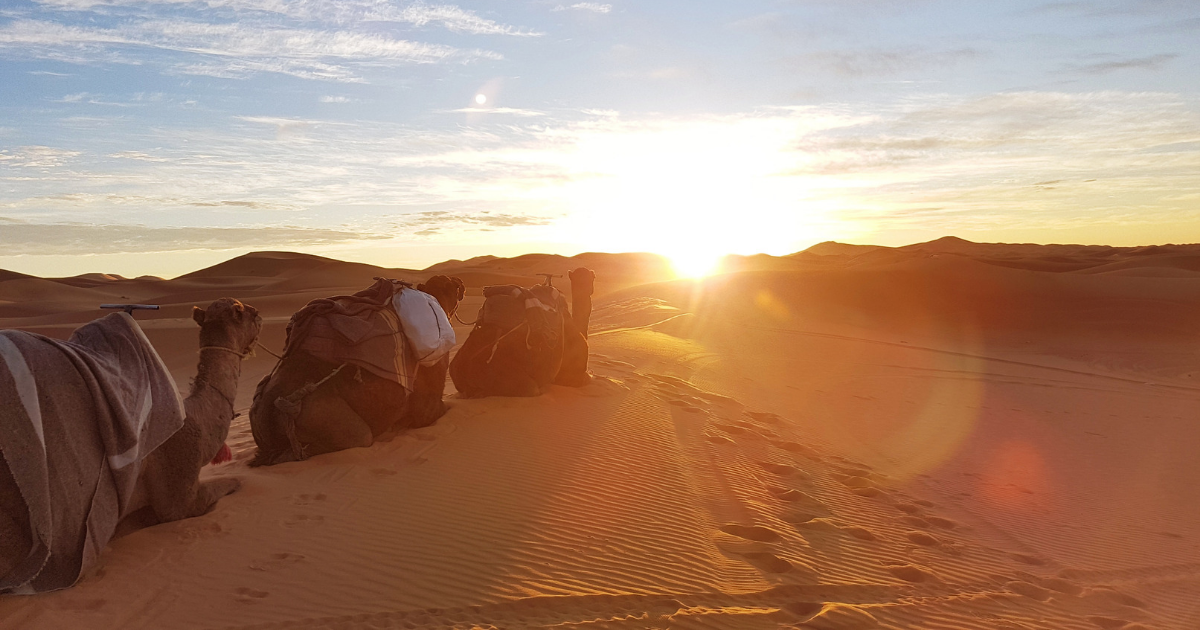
<point x="240" y="354"/>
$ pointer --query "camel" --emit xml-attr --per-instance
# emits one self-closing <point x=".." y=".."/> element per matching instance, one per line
<point x="171" y="474"/>
<point x="518" y="348"/>
<point x="344" y="408"/>
<point x="167" y="485"/>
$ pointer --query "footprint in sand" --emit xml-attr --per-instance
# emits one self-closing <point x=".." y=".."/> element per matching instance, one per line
<point x="799" y="449"/>
<point x="768" y="562"/>
<point x="248" y="595"/>
<point x="276" y="561"/>
<point x="202" y="530"/>
<point x="921" y="538"/>
<point x="910" y="573"/>
<point x="908" y="508"/>
<point x="923" y="503"/>
<point x="856" y="482"/>
<point x="308" y="499"/>
<point x="943" y="523"/>
<point x="869" y="493"/>
<point x="752" y="532"/>
<point x="763" y="416"/>
<point x="303" y="520"/>
<point x="860" y="533"/>
<point x="914" y="521"/>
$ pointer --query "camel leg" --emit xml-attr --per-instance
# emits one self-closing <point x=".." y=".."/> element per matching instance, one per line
<point x="327" y="424"/>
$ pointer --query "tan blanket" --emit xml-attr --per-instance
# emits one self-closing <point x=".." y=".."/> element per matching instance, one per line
<point x="77" y="418"/>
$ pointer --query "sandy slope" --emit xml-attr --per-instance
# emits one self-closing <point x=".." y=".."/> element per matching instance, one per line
<point x="907" y="441"/>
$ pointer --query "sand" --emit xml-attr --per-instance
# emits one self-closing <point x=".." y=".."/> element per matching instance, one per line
<point x="947" y="435"/>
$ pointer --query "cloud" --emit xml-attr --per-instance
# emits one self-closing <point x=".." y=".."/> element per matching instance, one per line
<point x="36" y="157"/>
<point x="20" y="238"/>
<point x="860" y="63"/>
<point x="1153" y="62"/>
<point x="334" y="99"/>
<point x="342" y="12"/>
<point x="136" y="155"/>
<point x="433" y="222"/>
<point x="593" y="7"/>
<point x="228" y="50"/>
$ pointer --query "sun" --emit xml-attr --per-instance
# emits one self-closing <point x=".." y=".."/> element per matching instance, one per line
<point x="694" y="263"/>
<point x="480" y="99"/>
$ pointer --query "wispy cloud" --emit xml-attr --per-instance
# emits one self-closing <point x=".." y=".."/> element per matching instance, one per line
<point x="228" y="50"/>
<point x="1153" y="62"/>
<point x="342" y="12"/>
<point x="876" y="62"/>
<point x="593" y="7"/>
<point x="20" y="238"/>
<point x="36" y="157"/>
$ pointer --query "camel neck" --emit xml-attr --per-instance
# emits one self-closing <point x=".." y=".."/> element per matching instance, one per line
<point x="217" y="374"/>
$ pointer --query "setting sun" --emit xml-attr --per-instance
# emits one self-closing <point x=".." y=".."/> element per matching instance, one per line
<point x="695" y="263"/>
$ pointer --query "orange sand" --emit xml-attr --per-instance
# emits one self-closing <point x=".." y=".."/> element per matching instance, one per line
<point x="947" y="435"/>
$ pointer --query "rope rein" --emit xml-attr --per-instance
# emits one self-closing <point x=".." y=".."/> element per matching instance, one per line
<point x="267" y="350"/>
<point x="241" y="355"/>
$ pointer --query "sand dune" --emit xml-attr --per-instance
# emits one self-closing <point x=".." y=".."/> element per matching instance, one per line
<point x="947" y="435"/>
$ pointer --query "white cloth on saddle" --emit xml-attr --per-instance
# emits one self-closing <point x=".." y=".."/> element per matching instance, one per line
<point x="89" y="408"/>
<point x="425" y="325"/>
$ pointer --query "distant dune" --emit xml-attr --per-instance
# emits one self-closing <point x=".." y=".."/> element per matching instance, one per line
<point x="947" y="434"/>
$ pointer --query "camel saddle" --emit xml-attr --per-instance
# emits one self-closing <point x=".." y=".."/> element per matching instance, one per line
<point x="366" y="330"/>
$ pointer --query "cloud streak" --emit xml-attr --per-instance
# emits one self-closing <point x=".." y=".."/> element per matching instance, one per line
<point x="230" y="50"/>
<point x="22" y="238"/>
<point x="343" y="12"/>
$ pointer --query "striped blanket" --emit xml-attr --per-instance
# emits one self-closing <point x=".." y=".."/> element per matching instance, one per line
<point x="77" y="418"/>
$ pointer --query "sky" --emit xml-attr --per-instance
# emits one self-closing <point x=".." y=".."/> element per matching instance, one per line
<point x="161" y="136"/>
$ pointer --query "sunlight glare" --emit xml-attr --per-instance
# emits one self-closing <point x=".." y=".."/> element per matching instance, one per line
<point x="693" y="192"/>
<point x="480" y="99"/>
<point x="694" y="263"/>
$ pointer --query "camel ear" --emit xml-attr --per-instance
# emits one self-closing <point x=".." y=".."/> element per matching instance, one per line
<point x="198" y="315"/>
<point x="421" y="288"/>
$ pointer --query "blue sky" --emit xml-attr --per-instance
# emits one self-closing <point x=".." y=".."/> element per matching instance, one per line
<point x="157" y="136"/>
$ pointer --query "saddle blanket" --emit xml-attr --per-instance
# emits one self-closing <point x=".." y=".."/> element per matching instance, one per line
<point x="77" y="418"/>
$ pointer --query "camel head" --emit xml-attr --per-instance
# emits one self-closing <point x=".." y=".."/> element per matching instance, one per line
<point x="229" y="324"/>
<point x="583" y="281"/>
<point x="448" y="290"/>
